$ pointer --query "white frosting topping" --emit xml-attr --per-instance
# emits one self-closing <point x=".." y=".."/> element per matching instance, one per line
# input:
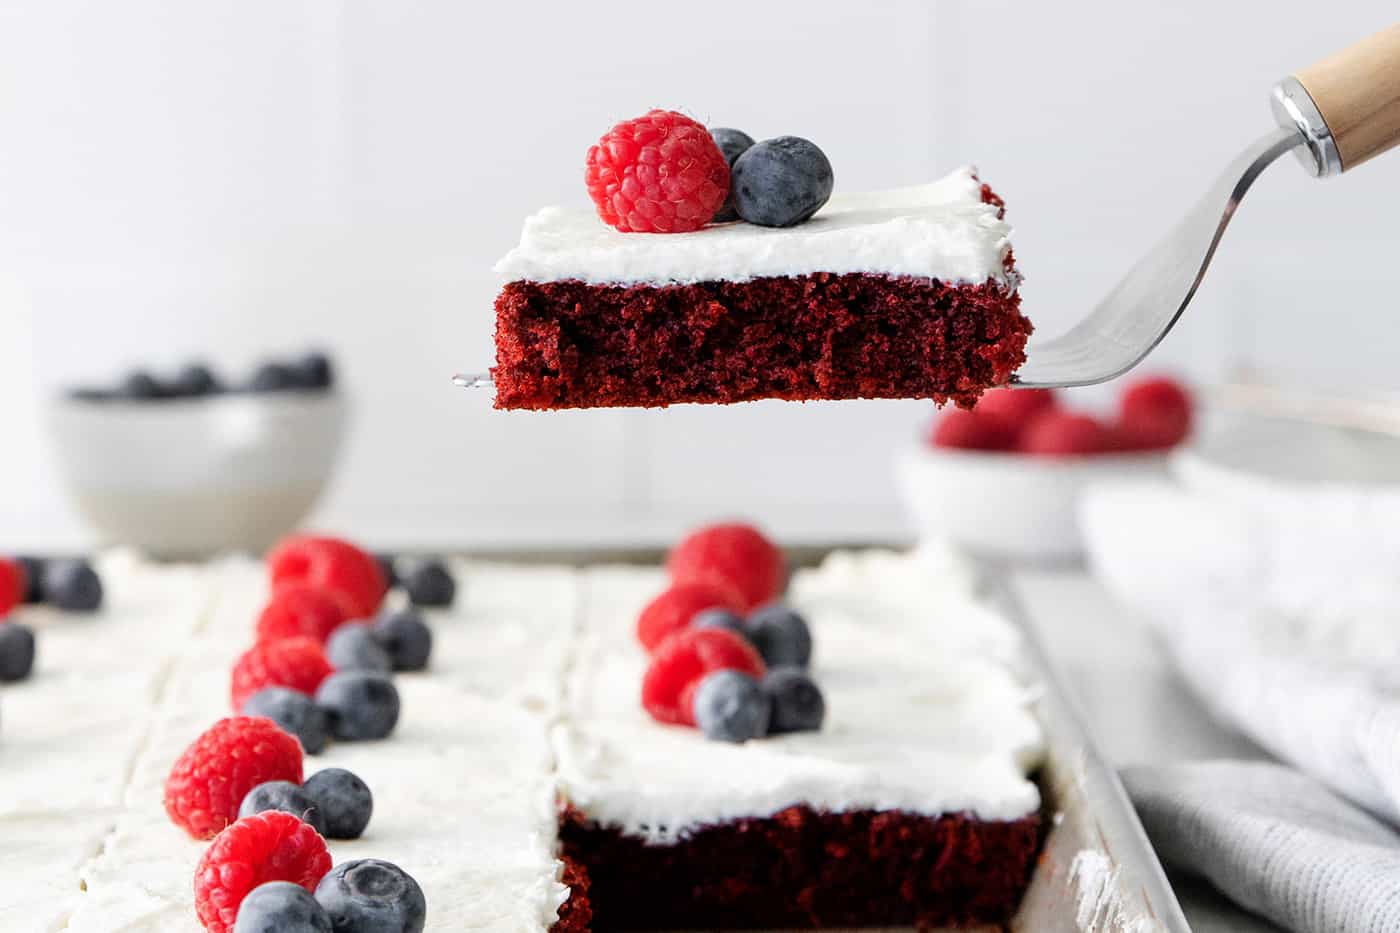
<point x="926" y="714"/>
<point x="925" y="710"/>
<point x="940" y="230"/>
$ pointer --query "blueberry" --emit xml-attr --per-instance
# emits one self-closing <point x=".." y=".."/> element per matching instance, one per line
<point x="780" y="182"/>
<point x="797" y="701"/>
<point x="273" y="377"/>
<point x="732" y="143"/>
<point x="16" y="651"/>
<point x="194" y="380"/>
<point x="142" y="386"/>
<point x="731" y="707"/>
<point x="781" y="636"/>
<point x="72" y="585"/>
<point x="343" y="800"/>
<point x="360" y="704"/>
<point x="284" y="796"/>
<point x="429" y="584"/>
<point x="406" y="637"/>
<point x="386" y="567"/>
<point x="720" y="618"/>
<point x="33" y="578"/>
<point x="352" y="647"/>
<point x="313" y="371"/>
<point x="281" y="907"/>
<point x="371" y="896"/>
<point x="294" y="711"/>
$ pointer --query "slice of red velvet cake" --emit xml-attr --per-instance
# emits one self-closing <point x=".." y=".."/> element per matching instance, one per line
<point x="905" y="802"/>
<point x="906" y="293"/>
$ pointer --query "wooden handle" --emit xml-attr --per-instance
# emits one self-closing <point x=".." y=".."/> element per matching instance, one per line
<point x="1357" y="91"/>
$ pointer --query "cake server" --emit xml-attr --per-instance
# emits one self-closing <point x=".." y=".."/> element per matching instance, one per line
<point x="1335" y="115"/>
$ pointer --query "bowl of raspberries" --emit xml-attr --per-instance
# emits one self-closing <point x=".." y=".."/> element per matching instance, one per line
<point x="1004" y="478"/>
<point x="190" y="463"/>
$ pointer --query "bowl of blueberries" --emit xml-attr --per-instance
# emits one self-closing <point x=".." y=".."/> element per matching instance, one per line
<point x="187" y="465"/>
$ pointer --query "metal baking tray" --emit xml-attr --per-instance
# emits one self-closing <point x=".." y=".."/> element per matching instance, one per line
<point x="1097" y="872"/>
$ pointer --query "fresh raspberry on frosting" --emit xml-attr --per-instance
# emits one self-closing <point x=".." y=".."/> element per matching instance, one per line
<point x="298" y="608"/>
<point x="682" y="660"/>
<point x="207" y="783"/>
<point x="334" y="565"/>
<point x="659" y="173"/>
<point x="675" y="606"/>
<point x="735" y="554"/>
<point x="1154" y="414"/>
<point x="14" y="583"/>
<point x="269" y="846"/>
<point x="960" y="429"/>
<point x="296" y="663"/>
<point x="1066" y="434"/>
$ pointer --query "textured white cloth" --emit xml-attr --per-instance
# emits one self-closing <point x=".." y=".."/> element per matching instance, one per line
<point x="1282" y="611"/>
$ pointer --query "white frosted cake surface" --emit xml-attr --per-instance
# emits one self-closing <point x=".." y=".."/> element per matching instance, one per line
<point x="941" y="230"/>
<point x="532" y="692"/>
<point x="925" y="712"/>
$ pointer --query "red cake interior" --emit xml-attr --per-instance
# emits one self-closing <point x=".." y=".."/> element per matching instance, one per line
<point x="821" y="336"/>
<point x="801" y="869"/>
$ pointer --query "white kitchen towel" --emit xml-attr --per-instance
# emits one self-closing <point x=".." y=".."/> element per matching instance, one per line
<point x="1281" y="609"/>
<point x="1275" y="842"/>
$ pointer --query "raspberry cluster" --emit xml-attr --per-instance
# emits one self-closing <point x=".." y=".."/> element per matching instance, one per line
<point x="725" y="656"/>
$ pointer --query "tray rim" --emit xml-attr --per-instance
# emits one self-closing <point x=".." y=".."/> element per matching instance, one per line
<point x="1142" y="898"/>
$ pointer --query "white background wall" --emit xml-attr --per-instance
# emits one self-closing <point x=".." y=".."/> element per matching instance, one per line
<point x="227" y="179"/>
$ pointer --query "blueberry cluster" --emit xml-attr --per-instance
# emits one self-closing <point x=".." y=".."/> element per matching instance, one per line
<point x="70" y="584"/>
<point x="360" y="896"/>
<point x="427" y="581"/>
<point x="731" y="706"/>
<point x="335" y="802"/>
<point x="778" y="182"/>
<point x="310" y="372"/>
<point x="359" y="701"/>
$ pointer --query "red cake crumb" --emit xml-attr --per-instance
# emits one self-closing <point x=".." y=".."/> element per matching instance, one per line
<point x="802" y="868"/>
<point x="736" y="554"/>
<point x="819" y="336"/>
<point x="576" y="913"/>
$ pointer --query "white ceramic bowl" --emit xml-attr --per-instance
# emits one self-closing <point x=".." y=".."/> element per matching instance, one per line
<point x="1007" y="505"/>
<point x="189" y="478"/>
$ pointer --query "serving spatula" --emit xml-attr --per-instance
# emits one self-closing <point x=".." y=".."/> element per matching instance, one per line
<point x="1335" y="115"/>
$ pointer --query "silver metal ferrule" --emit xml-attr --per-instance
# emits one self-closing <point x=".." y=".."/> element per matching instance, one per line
<point x="1294" y="109"/>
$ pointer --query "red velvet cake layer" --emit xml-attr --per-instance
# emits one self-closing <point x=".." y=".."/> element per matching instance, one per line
<point x="821" y="336"/>
<point x="804" y="869"/>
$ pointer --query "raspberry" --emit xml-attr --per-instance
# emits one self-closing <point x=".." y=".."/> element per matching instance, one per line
<point x="334" y="565"/>
<point x="269" y="846"/>
<point x="682" y="660"/>
<point x="1154" y="414"/>
<point x="1014" y="408"/>
<point x="296" y="663"/>
<point x="14" y="583"/>
<point x="208" y="781"/>
<point x="1063" y="433"/>
<point x="659" y="173"/>
<point x="673" y="609"/>
<point x="735" y="555"/>
<point x="302" y="609"/>
<point x="961" y="429"/>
